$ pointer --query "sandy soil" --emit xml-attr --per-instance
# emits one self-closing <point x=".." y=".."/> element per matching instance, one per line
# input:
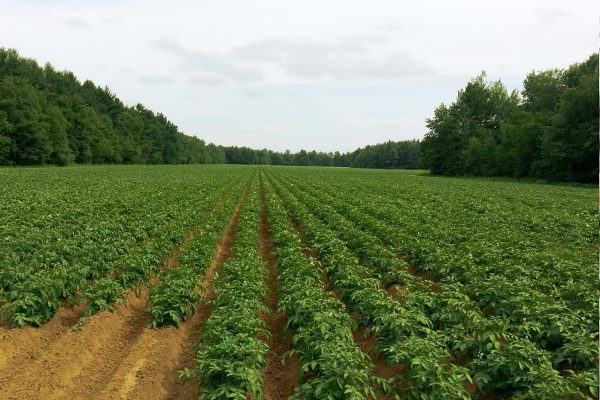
<point x="113" y="356"/>
<point x="280" y="378"/>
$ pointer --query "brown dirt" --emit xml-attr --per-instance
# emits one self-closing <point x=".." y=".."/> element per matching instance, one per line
<point x="172" y="261"/>
<point x="4" y="322"/>
<point x="425" y="276"/>
<point x="462" y="358"/>
<point x="395" y="293"/>
<point x="26" y="344"/>
<point x="471" y="387"/>
<point x="280" y="378"/>
<point x="492" y="395"/>
<point x="114" y="356"/>
<point x="367" y="343"/>
<point x="311" y="253"/>
<point x="150" y="369"/>
<point x="308" y="251"/>
<point x="224" y="250"/>
<point x="74" y="360"/>
<point x="381" y="368"/>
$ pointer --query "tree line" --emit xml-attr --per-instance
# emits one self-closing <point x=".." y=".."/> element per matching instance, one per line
<point x="403" y="154"/>
<point x="49" y="117"/>
<point x="548" y="131"/>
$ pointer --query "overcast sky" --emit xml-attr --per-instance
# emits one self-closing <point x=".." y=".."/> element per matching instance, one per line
<point x="325" y="75"/>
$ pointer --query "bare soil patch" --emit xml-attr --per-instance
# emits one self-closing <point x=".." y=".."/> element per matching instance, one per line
<point x="224" y="251"/>
<point x="280" y="378"/>
<point x="113" y="356"/>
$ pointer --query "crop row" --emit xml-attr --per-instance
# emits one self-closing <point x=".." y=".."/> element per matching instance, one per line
<point x="93" y="227"/>
<point x="540" y="237"/>
<point x="331" y="364"/>
<point x="230" y="355"/>
<point x="404" y="336"/>
<point x="141" y="262"/>
<point x="497" y="355"/>
<point x="98" y="264"/>
<point x="570" y="334"/>
<point x="174" y="298"/>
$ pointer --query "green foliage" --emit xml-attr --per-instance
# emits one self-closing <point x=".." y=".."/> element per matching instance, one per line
<point x="90" y="233"/>
<point x="404" y="154"/>
<point x="524" y="369"/>
<point x="496" y="299"/>
<point x="174" y="298"/>
<point x="49" y="117"/>
<point x="35" y="300"/>
<point x="470" y="287"/>
<point x="331" y="365"/>
<point x="399" y="331"/>
<point x="102" y="294"/>
<point x="231" y="355"/>
<point x="552" y="133"/>
<point x="462" y="136"/>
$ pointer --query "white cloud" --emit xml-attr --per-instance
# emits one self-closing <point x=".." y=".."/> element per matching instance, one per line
<point x="315" y="74"/>
<point x="346" y="58"/>
<point x="206" y="80"/>
<point x="209" y="63"/>
<point x="75" y="22"/>
<point x="552" y="15"/>
<point x="155" y="79"/>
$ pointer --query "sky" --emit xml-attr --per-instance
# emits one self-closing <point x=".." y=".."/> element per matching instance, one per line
<point x="319" y="75"/>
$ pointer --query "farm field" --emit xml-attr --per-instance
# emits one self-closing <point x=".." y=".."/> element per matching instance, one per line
<point x="185" y="282"/>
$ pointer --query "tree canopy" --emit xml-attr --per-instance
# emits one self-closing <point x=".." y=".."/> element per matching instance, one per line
<point x="49" y="117"/>
<point x="404" y="154"/>
<point x="548" y="131"/>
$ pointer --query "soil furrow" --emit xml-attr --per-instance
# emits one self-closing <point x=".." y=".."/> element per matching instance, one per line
<point x="113" y="356"/>
<point x="189" y="390"/>
<point x="173" y="260"/>
<point x="150" y="368"/>
<point x="23" y="345"/>
<point x="280" y="378"/>
<point x="18" y="346"/>
<point x="368" y="343"/>
<point x="54" y="372"/>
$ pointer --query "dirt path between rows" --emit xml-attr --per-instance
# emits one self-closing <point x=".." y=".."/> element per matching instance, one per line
<point x="23" y="345"/>
<point x="366" y="343"/>
<point x="114" y="356"/>
<point x="173" y="260"/>
<point x="280" y="378"/>
<point x="54" y="371"/>
<point x="224" y="251"/>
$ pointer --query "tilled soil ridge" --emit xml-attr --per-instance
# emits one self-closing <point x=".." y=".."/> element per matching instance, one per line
<point x="280" y="378"/>
<point x="113" y="356"/>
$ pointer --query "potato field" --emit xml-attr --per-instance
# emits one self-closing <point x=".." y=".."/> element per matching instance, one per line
<point x="272" y="282"/>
